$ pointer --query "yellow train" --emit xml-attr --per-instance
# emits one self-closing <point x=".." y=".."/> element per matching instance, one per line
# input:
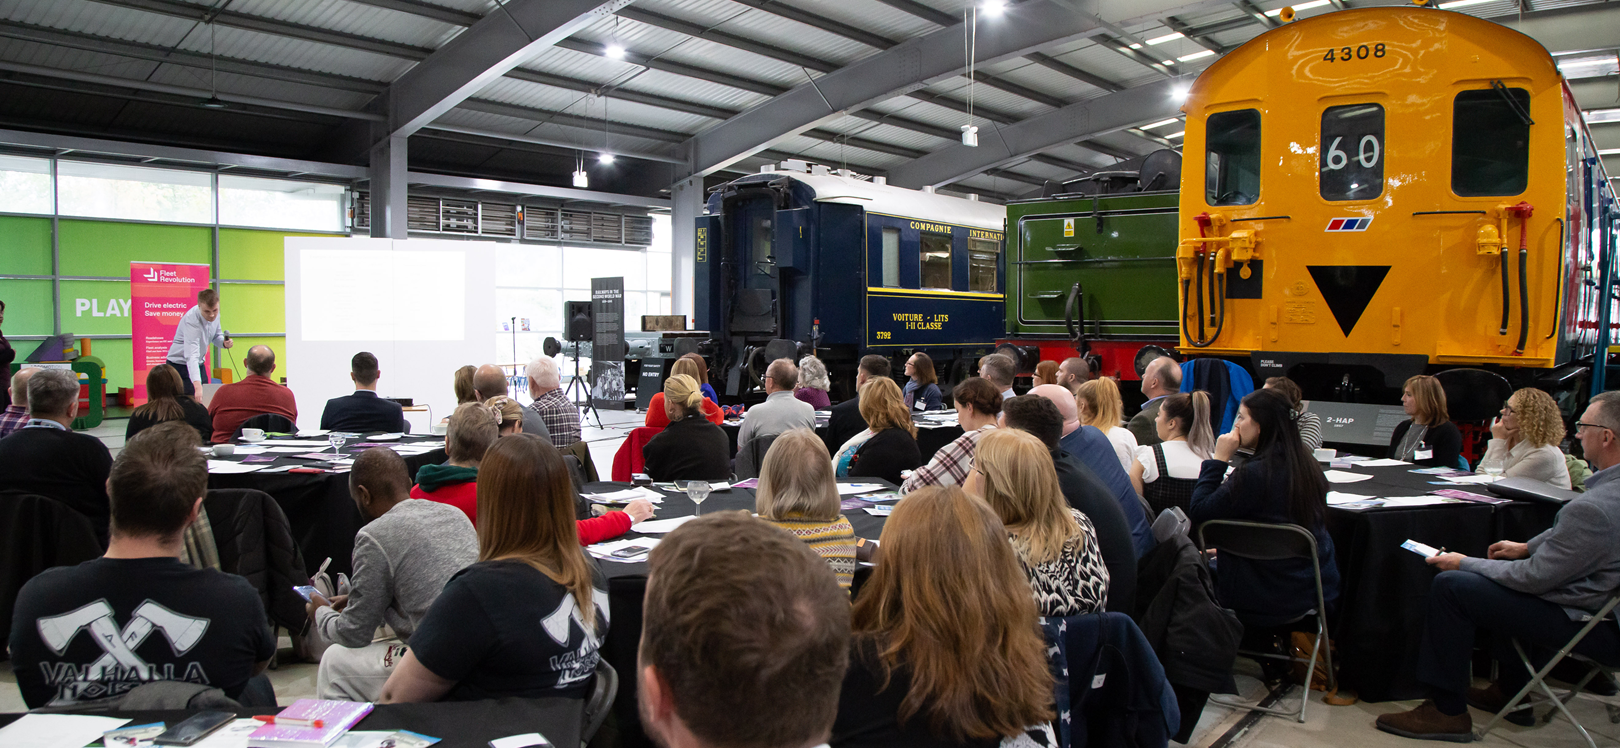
<point x="1372" y="193"/>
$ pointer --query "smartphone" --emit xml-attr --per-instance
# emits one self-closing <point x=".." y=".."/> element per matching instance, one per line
<point x="197" y="727"/>
<point x="631" y="552"/>
<point x="304" y="591"/>
<point x="1426" y="551"/>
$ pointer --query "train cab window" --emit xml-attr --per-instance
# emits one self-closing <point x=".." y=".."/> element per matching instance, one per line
<point x="936" y="260"/>
<point x="1352" y="152"/>
<point x="1232" y="158"/>
<point x="762" y="244"/>
<point x="982" y="264"/>
<point x="1490" y="142"/>
<point x="891" y="258"/>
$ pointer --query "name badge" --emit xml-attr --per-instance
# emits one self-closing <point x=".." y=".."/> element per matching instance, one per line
<point x="1423" y="454"/>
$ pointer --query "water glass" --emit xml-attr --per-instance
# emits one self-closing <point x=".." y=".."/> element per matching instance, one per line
<point x="336" y="439"/>
<point x="697" y="491"/>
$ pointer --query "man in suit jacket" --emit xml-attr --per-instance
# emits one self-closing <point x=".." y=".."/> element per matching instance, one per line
<point x="1161" y="379"/>
<point x="363" y="411"/>
<point x="47" y="458"/>
<point x="846" y="421"/>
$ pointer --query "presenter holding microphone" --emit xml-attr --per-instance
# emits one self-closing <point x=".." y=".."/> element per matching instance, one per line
<point x="197" y="330"/>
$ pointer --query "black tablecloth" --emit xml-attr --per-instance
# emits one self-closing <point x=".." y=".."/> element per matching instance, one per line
<point x="1383" y="589"/>
<point x="324" y="519"/>
<point x="466" y="724"/>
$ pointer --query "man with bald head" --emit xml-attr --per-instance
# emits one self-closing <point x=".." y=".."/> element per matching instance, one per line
<point x="781" y="412"/>
<point x="16" y="414"/>
<point x="1073" y="372"/>
<point x="1161" y="379"/>
<point x="490" y="381"/>
<point x="256" y="394"/>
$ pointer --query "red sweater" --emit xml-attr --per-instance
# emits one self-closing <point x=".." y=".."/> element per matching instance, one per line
<point x="234" y="403"/>
<point x="464" y="496"/>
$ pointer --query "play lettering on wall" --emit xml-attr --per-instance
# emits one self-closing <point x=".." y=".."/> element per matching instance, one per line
<point x="160" y="293"/>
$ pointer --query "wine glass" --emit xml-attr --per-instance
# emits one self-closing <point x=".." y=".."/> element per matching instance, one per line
<point x="697" y="491"/>
<point x="336" y="439"/>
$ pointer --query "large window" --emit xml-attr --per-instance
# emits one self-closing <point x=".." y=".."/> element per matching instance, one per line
<point x="280" y="203"/>
<point x="1352" y="154"/>
<point x="982" y="254"/>
<point x="135" y="193"/>
<point x="1232" y="158"/>
<point x="25" y="185"/>
<point x="1490" y="142"/>
<point x="891" y="258"/>
<point x="936" y="260"/>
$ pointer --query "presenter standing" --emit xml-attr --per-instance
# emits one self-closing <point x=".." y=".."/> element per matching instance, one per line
<point x="197" y="330"/>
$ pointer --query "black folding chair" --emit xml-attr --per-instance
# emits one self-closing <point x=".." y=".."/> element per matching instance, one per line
<point x="1260" y="541"/>
<point x="1538" y="677"/>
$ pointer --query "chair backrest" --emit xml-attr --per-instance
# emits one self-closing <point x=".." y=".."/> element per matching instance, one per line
<point x="1474" y="394"/>
<point x="581" y="451"/>
<point x="600" y="701"/>
<point x="36" y="533"/>
<point x="1260" y="541"/>
<point x="269" y="422"/>
<point x="751" y="456"/>
<point x="254" y="541"/>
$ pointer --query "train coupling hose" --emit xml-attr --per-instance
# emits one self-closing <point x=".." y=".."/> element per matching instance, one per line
<point x="1522" y="211"/>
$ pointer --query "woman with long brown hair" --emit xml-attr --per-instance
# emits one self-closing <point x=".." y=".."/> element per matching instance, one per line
<point x="1428" y="437"/>
<point x="888" y="446"/>
<point x="947" y="649"/>
<point x="166" y="400"/>
<point x="922" y="386"/>
<point x="480" y="639"/>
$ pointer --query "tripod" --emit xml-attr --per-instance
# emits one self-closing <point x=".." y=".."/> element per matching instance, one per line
<point x="582" y="399"/>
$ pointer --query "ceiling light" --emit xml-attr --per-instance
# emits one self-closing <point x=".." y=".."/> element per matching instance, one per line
<point x="1609" y="152"/>
<point x="1136" y="46"/>
<point x="993" y="8"/>
<point x="213" y="102"/>
<point x="581" y="179"/>
<point x="1199" y="55"/>
<point x="1175" y="135"/>
<point x="1595" y="66"/>
<point x="1602" y="115"/>
<point x="614" y="51"/>
<point x="970" y="136"/>
<point x="1162" y="123"/>
<point x="1320" y="3"/>
<point x="1166" y="38"/>
<point x="1179" y="93"/>
<point x="1167" y="62"/>
<point x="1462" y="3"/>
<point x="604" y="158"/>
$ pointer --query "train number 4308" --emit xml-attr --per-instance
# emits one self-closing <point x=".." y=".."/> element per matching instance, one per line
<point x="1358" y="52"/>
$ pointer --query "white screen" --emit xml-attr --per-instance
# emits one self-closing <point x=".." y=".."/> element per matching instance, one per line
<point x="375" y="294"/>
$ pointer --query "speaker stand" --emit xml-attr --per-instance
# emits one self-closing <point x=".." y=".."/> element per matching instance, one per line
<point x="582" y="400"/>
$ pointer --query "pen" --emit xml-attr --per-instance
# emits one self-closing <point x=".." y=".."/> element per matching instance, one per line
<point x="290" y="722"/>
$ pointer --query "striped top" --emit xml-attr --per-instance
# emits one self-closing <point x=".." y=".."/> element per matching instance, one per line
<point x="833" y="540"/>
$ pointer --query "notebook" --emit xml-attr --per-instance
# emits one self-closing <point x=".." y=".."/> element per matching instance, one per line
<point x="338" y="717"/>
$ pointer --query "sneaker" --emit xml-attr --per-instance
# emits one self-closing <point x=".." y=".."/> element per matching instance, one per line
<point x="1491" y="699"/>
<point x="1427" y="723"/>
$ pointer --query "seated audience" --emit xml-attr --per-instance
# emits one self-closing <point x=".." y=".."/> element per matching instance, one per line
<point x="846" y="421"/>
<point x="466" y="392"/>
<point x="703" y="377"/>
<point x="1056" y="544"/>
<point x="655" y="407"/>
<point x="977" y="406"/>
<point x="888" y="446"/>
<point x="508" y="414"/>
<point x="363" y="412"/>
<point x="403" y="556"/>
<point x="1098" y="403"/>
<point x="1000" y="369"/>
<point x="489" y="382"/>
<point x="1083" y="491"/>
<point x="1166" y="472"/>
<point x="1046" y="372"/>
<point x="922" y="388"/>
<point x="920" y="672"/>
<point x="217" y="632"/>
<point x="797" y="492"/>
<point x="690" y="448"/>
<point x="1073" y="372"/>
<point x="744" y="639"/>
<point x="1088" y="445"/>
<point x="781" y="412"/>
<point x="256" y="394"/>
<point x="551" y="407"/>
<point x="166" y="400"/>
<point x="813" y="383"/>
<point x="1429" y="437"/>
<point x="1524" y="441"/>
<point x="1161" y="379"/>
<point x="1310" y="424"/>
<point x="1281" y="483"/>
<point x="1537" y="592"/>
<point x="15" y="415"/>
<point x="480" y="640"/>
<point x="47" y="458"/>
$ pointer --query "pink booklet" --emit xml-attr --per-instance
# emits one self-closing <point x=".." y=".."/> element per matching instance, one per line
<point x="337" y="717"/>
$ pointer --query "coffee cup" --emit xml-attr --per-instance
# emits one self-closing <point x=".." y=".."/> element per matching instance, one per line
<point x="224" y="450"/>
<point x="252" y="435"/>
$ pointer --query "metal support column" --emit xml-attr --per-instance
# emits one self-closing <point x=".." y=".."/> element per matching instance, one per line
<point x="688" y="205"/>
<point x="388" y="188"/>
<point x="56" y="252"/>
<point x="1606" y="286"/>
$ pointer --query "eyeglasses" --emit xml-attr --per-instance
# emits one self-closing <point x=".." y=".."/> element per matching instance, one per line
<point x="1579" y="426"/>
<point x="1507" y="410"/>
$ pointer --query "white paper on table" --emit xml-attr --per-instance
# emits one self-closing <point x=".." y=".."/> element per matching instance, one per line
<point x="661" y="526"/>
<point x="879" y="511"/>
<point x="1479" y="479"/>
<point x="383" y="437"/>
<point x="1335" y="498"/>
<point x="520" y="741"/>
<point x="313" y="432"/>
<point x="626" y="495"/>
<point x="846" y="489"/>
<point x="233" y="735"/>
<point x="296" y="443"/>
<point x="226" y="467"/>
<point x="57" y="730"/>
<point x="605" y="551"/>
<point x="1340" y="476"/>
<point x="1382" y="462"/>
<point x="362" y="739"/>
<point x="1400" y="501"/>
<point x="886" y="496"/>
<point x="251" y="449"/>
<point x="278" y="469"/>
<point x="677" y="487"/>
<point x="286" y="450"/>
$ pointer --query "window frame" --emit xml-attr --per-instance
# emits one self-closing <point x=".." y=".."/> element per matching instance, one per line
<point x="1211" y="175"/>
<point x="923" y="252"/>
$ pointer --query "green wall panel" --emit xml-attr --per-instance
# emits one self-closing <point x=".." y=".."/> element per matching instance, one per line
<point x="25" y="246"/>
<point x="107" y="247"/>
<point x="252" y="308"/>
<point x="245" y="254"/>
<point x="95" y="307"/>
<point x="115" y="355"/>
<point x="28" y="307"/>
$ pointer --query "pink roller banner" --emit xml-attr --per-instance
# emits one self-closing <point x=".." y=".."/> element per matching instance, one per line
<point x="160" y="293"/>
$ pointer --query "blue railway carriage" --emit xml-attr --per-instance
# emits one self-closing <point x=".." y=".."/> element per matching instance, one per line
<point x="808" y="259"/>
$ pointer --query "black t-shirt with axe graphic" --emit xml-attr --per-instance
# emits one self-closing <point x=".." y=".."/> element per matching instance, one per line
<point x="95" y="631"/>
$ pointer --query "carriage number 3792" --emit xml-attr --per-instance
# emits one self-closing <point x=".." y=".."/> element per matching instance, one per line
<point x="1359" y="52"/>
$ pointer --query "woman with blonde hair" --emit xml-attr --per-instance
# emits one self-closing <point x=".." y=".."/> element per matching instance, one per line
<point x="1165" y="473"/>
<point x="947" y="649"/>
<point x="1524" y="441"/>
<point x="702" y="377"/>
<point x="1056" y="544"/>
<point x="463" y="383"/>
<point x="797" y="492"/>
<point x="508" y="414"/>
<point x="656" y="413"/>
<point x="888" y="446"/>
<point x="1099" y="404"/>
<point x="690" y="448"/>
<point x="1428" y="437"/>
<point x="479" y="640"/>
<point x="1046" y="372"/>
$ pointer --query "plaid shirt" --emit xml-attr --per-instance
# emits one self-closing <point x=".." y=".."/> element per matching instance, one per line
<point x="950" y="465"/>
<point x="560" y="416"/>
<point x="13" y="419"/>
